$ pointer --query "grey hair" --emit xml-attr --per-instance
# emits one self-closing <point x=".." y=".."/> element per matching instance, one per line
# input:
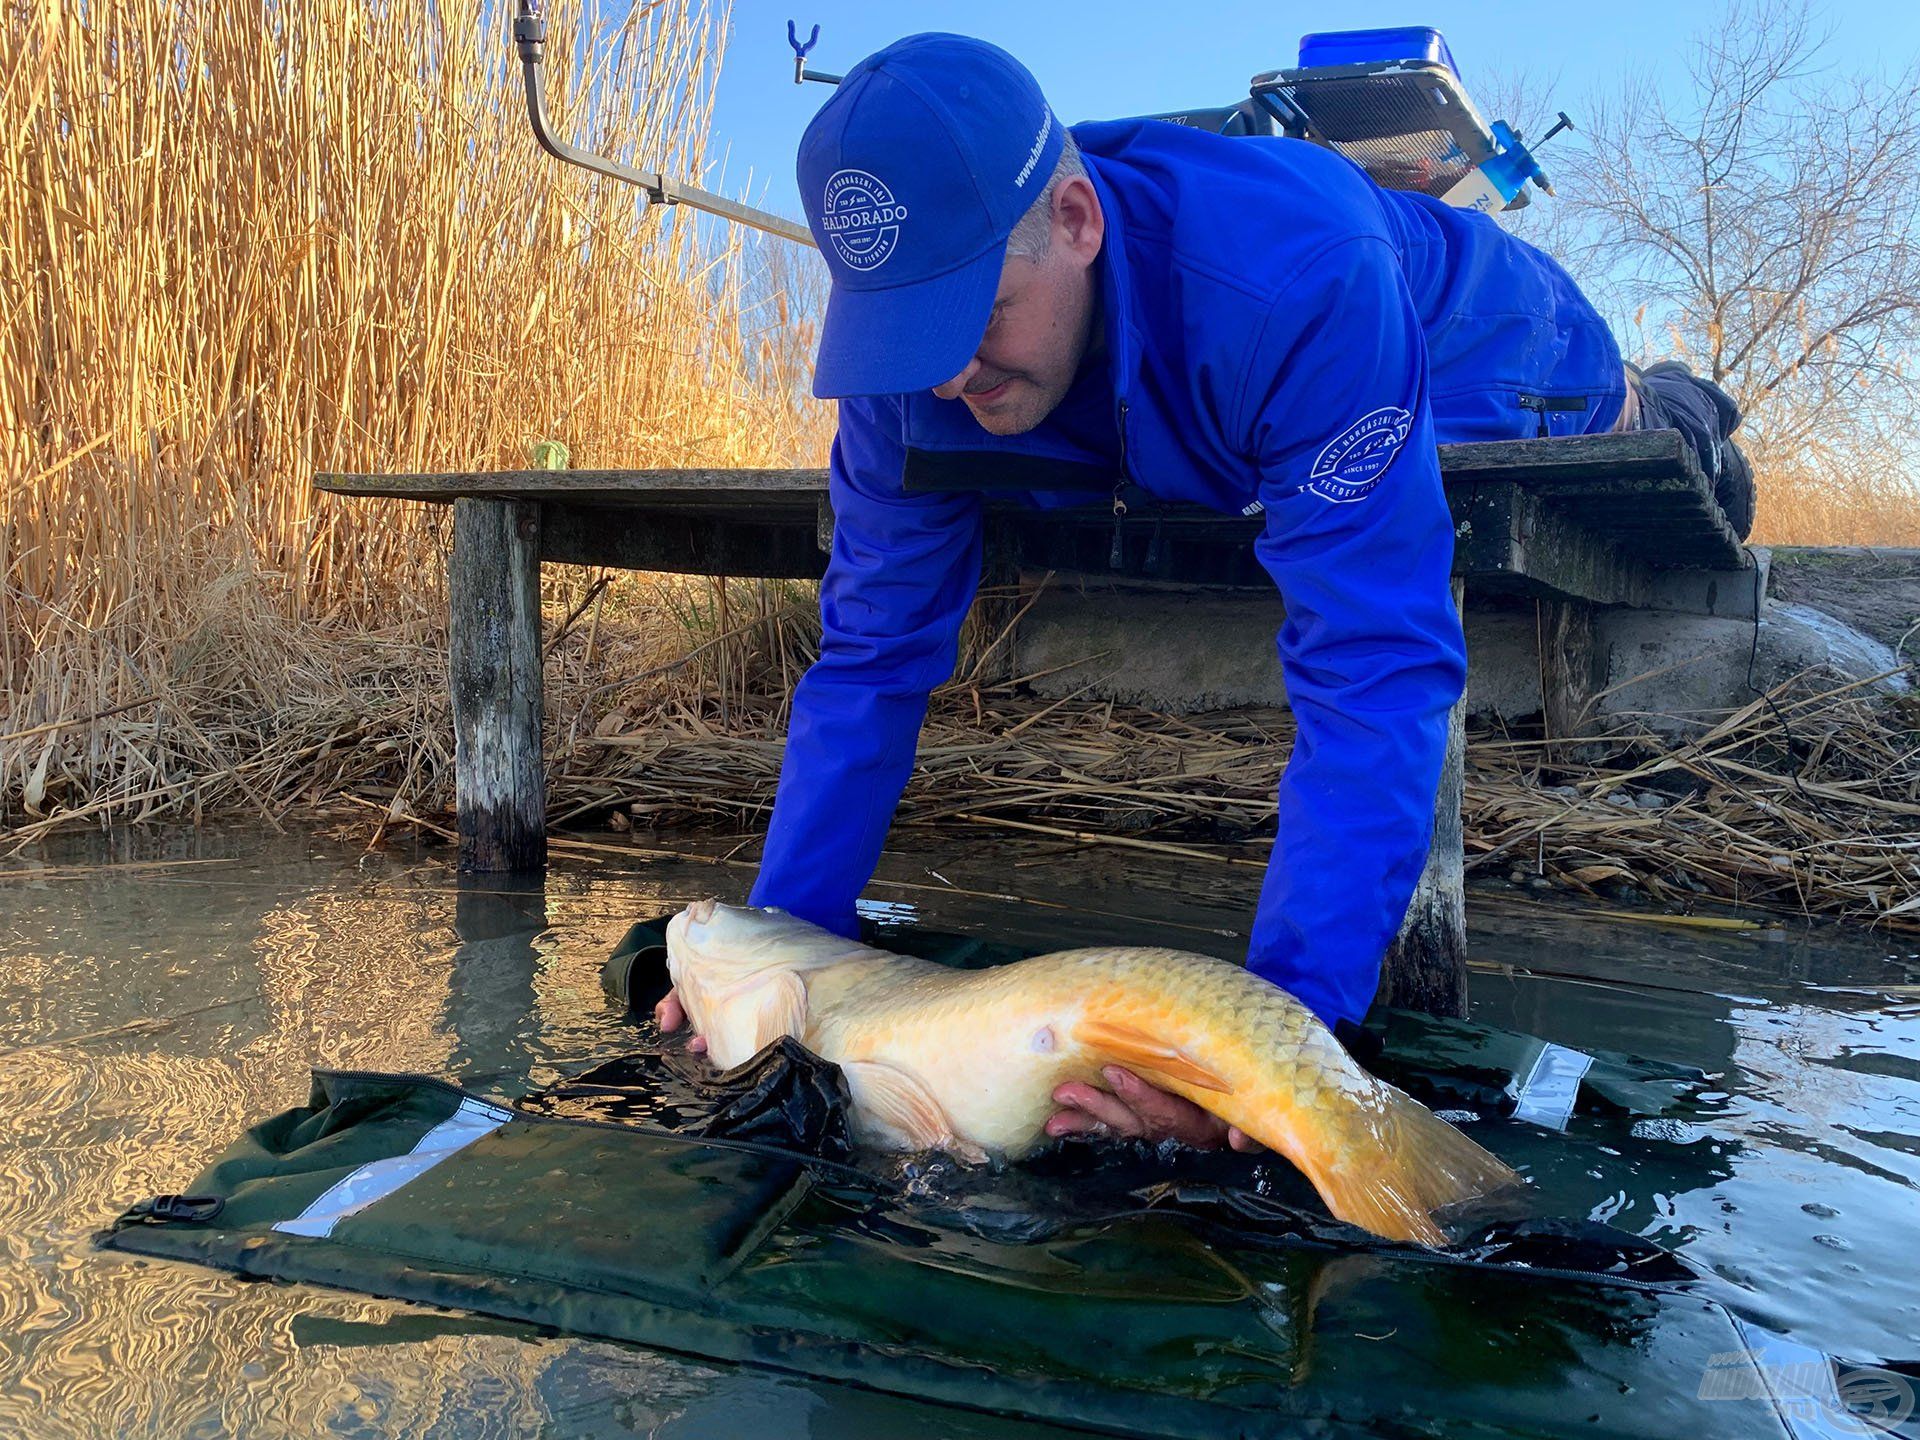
<point x="1033" y="232"/>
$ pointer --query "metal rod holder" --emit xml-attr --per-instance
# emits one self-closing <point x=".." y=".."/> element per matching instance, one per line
<point x="530" y="39"/>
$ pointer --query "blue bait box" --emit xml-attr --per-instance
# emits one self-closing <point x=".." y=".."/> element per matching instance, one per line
<point x="1371" y="47"/>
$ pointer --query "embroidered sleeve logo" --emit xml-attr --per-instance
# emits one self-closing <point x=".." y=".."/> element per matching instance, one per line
<point x="1351" y="464"/>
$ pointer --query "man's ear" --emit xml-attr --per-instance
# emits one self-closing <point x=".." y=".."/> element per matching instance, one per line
<point x="1078" y="223"/>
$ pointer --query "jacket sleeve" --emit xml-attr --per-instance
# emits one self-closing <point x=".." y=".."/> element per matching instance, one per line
<point x="900" y="578"/>
<point x="1360" y="541"/>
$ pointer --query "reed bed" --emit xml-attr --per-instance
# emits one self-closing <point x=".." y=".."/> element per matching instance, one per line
<point x="668" y="705"/>
<point x="242" y="244"/>
<point x="1805" y="801"/>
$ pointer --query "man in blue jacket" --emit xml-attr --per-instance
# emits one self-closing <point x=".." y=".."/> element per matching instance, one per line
<point x="1249" y="324"/>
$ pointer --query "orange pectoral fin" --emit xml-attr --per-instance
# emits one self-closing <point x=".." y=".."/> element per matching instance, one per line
<point x="1138" y="1050"/>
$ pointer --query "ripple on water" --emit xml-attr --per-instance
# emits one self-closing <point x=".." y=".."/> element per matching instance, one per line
<point x="349" y="961"/>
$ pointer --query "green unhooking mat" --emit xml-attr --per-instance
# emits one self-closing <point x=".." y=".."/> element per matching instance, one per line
<point x="1183" y="1312"/>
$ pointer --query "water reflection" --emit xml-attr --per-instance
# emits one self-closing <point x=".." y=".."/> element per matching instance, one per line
<point x="160" y="992"/>
<point x="490" y="995"/>
<point x="1796" y="1180"/>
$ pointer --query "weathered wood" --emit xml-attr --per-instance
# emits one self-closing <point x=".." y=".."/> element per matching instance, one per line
<point x="680" y="543"/>
<point x="1593" y="517"/>
<point x="1507" y="536"/>
<point x="493" y="586"/>
<point x="1633" y="455"/>
<point x="719" y="489"/>
<point x="1562" y="460"/>
<point x="1426" y="966"/>
<point x="1571" y="671"/>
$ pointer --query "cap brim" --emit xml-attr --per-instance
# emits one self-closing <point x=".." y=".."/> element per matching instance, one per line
<point x="911" y="337"/>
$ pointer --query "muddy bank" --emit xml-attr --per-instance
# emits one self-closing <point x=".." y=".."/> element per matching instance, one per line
<point x="1876" y="590"/>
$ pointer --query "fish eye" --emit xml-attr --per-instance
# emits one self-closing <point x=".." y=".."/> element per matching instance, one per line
<point x="1042" y="1041"/>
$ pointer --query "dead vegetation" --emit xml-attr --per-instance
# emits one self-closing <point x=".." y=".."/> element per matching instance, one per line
<point x="229" y="275"/>
<point x="242" y="244"/>
<point x="667" y="705"/>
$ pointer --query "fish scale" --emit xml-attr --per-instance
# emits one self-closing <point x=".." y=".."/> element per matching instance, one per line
<point x="968" y="1059"/>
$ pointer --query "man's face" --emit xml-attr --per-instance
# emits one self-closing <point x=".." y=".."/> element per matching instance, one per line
<point x="1041" y="322"/>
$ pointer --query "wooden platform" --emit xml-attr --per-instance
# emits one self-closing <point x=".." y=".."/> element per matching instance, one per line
<point x="1577" y="522"/>
<point x="1594" y="518"/>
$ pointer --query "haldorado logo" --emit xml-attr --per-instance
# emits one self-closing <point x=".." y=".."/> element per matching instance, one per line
<point x="1349" y="467"/>
<point x="861" y="219"/>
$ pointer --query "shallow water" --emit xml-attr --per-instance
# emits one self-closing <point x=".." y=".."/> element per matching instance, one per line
<point x="161" y="992"/>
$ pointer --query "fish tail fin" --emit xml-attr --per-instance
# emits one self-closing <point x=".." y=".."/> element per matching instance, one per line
<point x="1406" y="1163"/>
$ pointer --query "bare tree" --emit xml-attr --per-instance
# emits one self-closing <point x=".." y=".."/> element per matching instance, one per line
<point x="1765" y="226"/>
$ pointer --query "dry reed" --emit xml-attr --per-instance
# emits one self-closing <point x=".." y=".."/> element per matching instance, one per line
<point x="247" y="245"/>
<point x="243" y="244"/>
<point x="1805" y="801"/>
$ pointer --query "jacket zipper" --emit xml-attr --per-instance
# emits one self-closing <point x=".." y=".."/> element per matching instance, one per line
<point x="1115" y="554"/>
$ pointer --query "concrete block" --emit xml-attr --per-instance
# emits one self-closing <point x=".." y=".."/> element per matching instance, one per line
<point x="1178" y="649"/>
<point x="1169" y="649"/>
<point x="1679" y="674"/>
<point x="1185" y="650"/>
<point x="1725" y="594"/>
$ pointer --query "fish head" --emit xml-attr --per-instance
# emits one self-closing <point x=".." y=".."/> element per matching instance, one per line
<point x="739" y="971"/>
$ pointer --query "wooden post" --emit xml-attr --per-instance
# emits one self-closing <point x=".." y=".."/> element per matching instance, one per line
<point x="1426" y="966"/>
<point x="1571" y="674"/>
<point x="493" y="585"/>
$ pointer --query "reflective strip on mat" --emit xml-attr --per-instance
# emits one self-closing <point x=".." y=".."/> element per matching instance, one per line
<point x="380" y="1178"/>
<point x="1546" y="1096"/>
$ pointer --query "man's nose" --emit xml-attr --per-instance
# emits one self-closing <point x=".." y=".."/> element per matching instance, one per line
<point x="951" y="390"/>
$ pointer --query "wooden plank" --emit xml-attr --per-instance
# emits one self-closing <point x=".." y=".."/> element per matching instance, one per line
<point x="1426" y="966"/>
<point x="1601" y="514"/>
<point x="493" y="587"/>
<point x="718" y="489"/>
<point x="1568" y="460"/>
<point x="1638" y="454"/>
<point x="681" y="544"/>
<point x="1510" y="532"/>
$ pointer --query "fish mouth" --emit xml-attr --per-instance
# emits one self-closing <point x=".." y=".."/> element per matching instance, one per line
<point x="700" y="912"/>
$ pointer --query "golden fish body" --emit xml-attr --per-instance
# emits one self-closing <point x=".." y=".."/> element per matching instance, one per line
<point x="969" y="1059"/>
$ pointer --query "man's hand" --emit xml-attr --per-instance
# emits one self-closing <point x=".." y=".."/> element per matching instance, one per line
<point x="1136" y="1110"/>
<point x="670" y="1015"/>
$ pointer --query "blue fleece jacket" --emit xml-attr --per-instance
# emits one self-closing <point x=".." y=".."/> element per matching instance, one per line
<point x="1282" y="336"/>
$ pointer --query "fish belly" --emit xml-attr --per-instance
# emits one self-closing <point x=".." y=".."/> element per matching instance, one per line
<point x="969" y="1051"/>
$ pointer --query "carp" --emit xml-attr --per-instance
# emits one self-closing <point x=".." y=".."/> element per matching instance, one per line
<point x="967" y="1060"/>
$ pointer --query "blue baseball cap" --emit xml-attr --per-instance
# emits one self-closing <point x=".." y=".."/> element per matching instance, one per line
<point x="913" y="176"/>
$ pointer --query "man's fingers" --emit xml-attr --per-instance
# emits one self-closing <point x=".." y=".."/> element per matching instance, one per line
<point x="1137" y="1110"/>
<point x="670" y="1014"/>
<point x="1071" y="1122"/>
<point x="1107" y="1109"/>
<point x="1163" y="1115"/>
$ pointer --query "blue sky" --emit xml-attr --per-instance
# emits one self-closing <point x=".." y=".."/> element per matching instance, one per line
<point x="1130" y="56"/>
